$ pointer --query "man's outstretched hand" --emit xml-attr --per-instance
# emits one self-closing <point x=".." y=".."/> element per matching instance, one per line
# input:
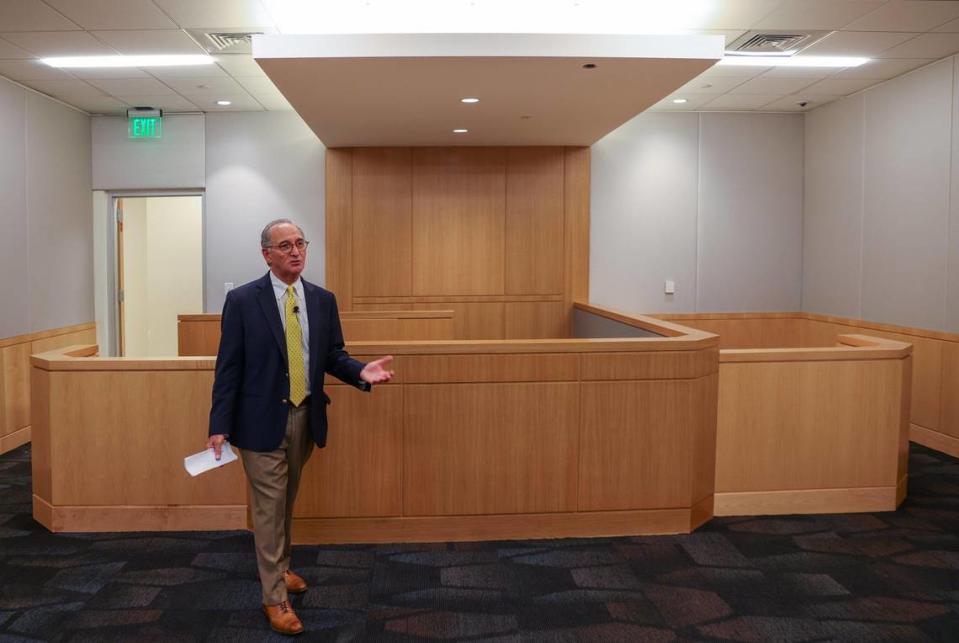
<point x="216" y="443"/>
<point x="377" y="371"/>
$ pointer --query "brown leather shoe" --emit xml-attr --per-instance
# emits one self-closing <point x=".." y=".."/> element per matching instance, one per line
<point x="283" y="619"/>
<point x="294" y="582"/>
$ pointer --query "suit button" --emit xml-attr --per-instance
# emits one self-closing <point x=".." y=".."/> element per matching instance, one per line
<point x="284" y="400"/>
<point x="287" y="374"/>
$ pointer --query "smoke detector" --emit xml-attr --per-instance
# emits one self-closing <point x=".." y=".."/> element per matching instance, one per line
<point x="773" y="43"/>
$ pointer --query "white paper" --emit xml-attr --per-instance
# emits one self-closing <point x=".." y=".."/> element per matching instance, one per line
<point x="205" y="460"/>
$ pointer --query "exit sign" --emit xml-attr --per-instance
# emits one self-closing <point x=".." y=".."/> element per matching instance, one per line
<point x="146" y="126"/>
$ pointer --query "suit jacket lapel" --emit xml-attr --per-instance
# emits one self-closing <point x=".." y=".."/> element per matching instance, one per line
<point x="267" y="301"/>
<point x="313" y="315"/>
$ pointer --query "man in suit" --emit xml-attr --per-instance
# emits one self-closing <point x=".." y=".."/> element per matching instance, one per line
<point x="280" y="334"/>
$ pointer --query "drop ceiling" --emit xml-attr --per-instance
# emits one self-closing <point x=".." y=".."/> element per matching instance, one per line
<point x="901" y="35"/>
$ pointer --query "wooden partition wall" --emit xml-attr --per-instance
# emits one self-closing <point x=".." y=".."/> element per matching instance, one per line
<point x="934" y="415"/>
<point x="499" y="235"/>
<point x="15" y="354"/>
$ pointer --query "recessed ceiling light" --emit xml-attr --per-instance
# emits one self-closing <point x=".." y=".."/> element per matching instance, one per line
<point x="680" y="101"/>
<point x="469" y="100"/>
<point x="224" y="103"/>
<point x="128" y="61"/>
<point x="589" y="66"/>
<point x="460" y="131"/>
<point x="797" y="61"/>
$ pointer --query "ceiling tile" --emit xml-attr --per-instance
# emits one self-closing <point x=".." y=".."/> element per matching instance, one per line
<point x="31" y="70"/>
<point x="257" y="85"/>
<point x="163" y="41"/>
<point x="737" y="14"/>
<point x="240" y="103"/>
<point x="817" y="14"/>
<point x="857" y="43"/>
<point x="767" y="86"/>
<point x="59" y="43"/>
<point x="740" y="101"/>
<point x="729" y="34"/>
<point x="950" y="27"/>
<point x="223" y="14"/>
<point x="881" y="69"/>
<point x="927" y="45"/>
<point x="10" y="50"/>
<point x="729" y="71"/>
<point x="109" y="72"/>
<point x="32" y="15"/>
<point x="240" y="65"/>
<point x="204" y="86"/>
<point x="168" y="103"/>
<point x="132" y="86"/>
<point x="65" y="89"/>
<point x="113" y="14"/>
<point x="274" y="102"/>
<point x="700" y="85"/>
<point x="100" y="105"/>
<point x="907" y="15"/>
<point x="813" y="73"/>
<point x="693" y="102"/>
<point x="838" y="86"/>
<point x="791" y="103"/>
<point x="189" y="71"/>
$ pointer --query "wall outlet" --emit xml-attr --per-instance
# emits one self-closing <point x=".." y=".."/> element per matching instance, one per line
<point x="227" y="287"/>
<point x="670" y="287"/>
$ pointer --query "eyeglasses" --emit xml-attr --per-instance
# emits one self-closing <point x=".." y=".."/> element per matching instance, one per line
<point x="287" y="247"/>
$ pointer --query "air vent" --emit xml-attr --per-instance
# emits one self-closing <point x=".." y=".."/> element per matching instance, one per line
<point x="224" y="42"/>
<point x="777" y="43"/>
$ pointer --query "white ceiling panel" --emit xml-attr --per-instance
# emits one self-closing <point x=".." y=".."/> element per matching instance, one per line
<point x="100" y="105"/>
<point x="907" y="15"/>
<point x="792" y="103"/>
<point x="65" y="89"/>
<point x="817" y="14"/>
<point x="928" y="45"/>
<point x="729" y="34"/>
<point x="729" y="71"/>
<point x="257" y="85"/>
<point x="163" y="41"/>
<point x="737" y="14"/>
<point x="32" y="15"/>
<point x="239" y="103"/>
<point x="769" y="86"/>
<point x="188" y="72"/>
<point x="857" y="43"/>
<point x="87" y="73"/>
<point x="232" y="14"/>
<point x="813" y="73"/>
<point x="274" y="102"/>
<point x="693" y="102"/>
<point x="10" y="50"/>
<point x="30" y="70"/>
<point x="838" y="86"/>
<point x="950" y="27"/>
<point x="881" y="69"/>
<point x="740" y="101"/>
<point x="113" y="14"/>
<point x="204" y="86"/>
<point x="168" y="103"/>
<point x="240" y="65"/>
<point x="132" y="86"/>
<point x="718" y="85"/>
<point x="59" y="43"/>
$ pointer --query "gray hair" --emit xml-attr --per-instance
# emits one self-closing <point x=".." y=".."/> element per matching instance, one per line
<point x="265" y="235"/>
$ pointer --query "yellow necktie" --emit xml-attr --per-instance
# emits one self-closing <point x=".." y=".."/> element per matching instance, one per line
<point x="294" y="350"/>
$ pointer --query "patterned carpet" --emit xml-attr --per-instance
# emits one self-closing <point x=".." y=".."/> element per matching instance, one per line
<point x="855" y="577"/>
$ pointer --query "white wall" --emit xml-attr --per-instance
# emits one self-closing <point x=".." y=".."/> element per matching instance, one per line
<point x="260" y="166"/>
<point x="712" y="201"/>
<point x="45" y="222"/>
<point x="879" y="193"/>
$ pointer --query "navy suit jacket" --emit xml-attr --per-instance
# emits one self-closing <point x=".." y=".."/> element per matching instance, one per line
<point x="251" y="388"/>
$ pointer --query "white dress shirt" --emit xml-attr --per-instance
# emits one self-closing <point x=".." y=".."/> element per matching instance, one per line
<point x="279" y="290"/>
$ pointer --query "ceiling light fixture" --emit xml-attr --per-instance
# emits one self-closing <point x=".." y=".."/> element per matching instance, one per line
<point x="469" y="100"/>
<point x="224" y="103"/>
<point x="460" y="131"/>
<point x="680" y="101"/>
<point x="71" y="62"/>
<point x="797" y="61"/>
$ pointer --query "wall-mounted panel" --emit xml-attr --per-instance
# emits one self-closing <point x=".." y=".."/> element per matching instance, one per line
<point x="14" y="249"/>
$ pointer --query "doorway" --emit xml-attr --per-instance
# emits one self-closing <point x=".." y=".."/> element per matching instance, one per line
<point x="159" y="270"/>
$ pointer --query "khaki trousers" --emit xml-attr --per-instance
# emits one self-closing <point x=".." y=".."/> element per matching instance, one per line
<point x="274" y="479"/>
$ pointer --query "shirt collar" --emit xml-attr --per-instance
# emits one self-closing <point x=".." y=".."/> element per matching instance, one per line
<point x="279" y="288"/>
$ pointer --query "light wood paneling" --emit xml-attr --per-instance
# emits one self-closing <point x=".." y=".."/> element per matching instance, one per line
<point x="706" y="392"/>
<point x="949" y="399"/>
<point x="806" y="501"/>
<point x="360" y="472"/>
<point x="535" y="226"/>
<point x="139" y="518"/>
<point x="474" y="320"/>
<point x="11" y="441"/>
<point x="198" y="337"/>
<point x="490" y="368"/>
<point x="41" y="432"/>
<point x="934" y="440"/>
<point x="490" y="448"/>
<point x="459" y="208"/>
<point x="339" y="225"/>
<point x="649" y="365"/>
<point x="576" y="198"/>
<point x="382" y="222"/>
<point x="636" y="445"/>
<point x="536" y="320"/>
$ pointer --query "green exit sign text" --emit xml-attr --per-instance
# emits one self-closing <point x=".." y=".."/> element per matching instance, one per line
<point x="146" y="127"/>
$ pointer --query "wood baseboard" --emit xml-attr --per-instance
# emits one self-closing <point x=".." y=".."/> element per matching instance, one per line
<point x="139" y="518"/>
<point x="13" y="440"/>
<point x="491" y="527"/>
<point x="701" y="513"/>
<point x="941" y="442"/>
<point x="807" y="501"/>
<point x="901" y="488"/>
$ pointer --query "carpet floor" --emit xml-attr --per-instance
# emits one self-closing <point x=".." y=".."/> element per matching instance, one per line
<point x="845" y="577"/>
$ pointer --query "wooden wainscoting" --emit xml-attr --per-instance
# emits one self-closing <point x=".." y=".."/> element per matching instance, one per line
<point x="15" y="421"/>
